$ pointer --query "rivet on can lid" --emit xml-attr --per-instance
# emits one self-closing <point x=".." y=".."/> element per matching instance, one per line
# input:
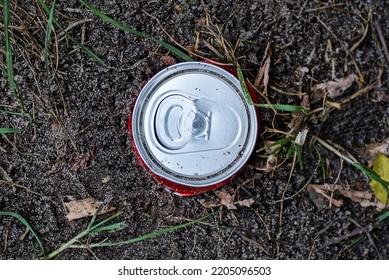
<point x="192" y="126"/>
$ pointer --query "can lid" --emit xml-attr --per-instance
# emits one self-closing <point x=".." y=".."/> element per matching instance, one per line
<point x="192" y="125"/>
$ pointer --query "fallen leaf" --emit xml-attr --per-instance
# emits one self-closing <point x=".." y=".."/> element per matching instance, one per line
<point x="245" y="202"/>
<point x="370" y="152"/>
<point x="168" y="60"/>
<point x="262" y="79"/>
<point x="177" y="8"/>
<point x="80" y="160"/>
<point x="301" y="71"/>
<point x="322" y="190"/>
<point x="209" y="202"/>
<point x="226" y="199"/>
<point x="381" y="167"/>
<point x="271" y="164"/>
<point x="363" y="198"/>
<point x="335" y="88"/>
<point x="77" y="209"/>
<point x="201" y="22"/>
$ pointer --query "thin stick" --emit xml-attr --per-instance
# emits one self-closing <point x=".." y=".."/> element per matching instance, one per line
<point x="377" y="26"/>
<point x="325" y="7"/>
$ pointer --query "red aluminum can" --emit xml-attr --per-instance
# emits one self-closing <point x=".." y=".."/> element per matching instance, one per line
<point x="192" y="128"/>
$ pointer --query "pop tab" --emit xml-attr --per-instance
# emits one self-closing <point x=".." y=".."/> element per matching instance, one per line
<point x="192" y="127"/>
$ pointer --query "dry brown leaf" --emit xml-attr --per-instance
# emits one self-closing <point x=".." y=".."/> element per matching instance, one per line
<point x="271" y="164"/>
<point x="301" y="72"/>
<point x="335" y="88"/>
<point x="262" y="79"/>
<point x="245" y="202"/>
<point x="177" y="8"/>
<point x="323" y="189"/>
<point x="370" y="152"/>
<point x="78" y="209"/>
<point x="226" y="199"/>
<point x="168" y="60"/>
<point x="363" y="198"/>
<point x="208" y="202"/>
<point x="81" y="160"/>
<point x="201" y="22"/>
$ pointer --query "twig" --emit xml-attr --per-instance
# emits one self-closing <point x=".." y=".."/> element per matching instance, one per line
<point x="377" y="26"/>
<point x="356" y="45"/>
<point x="346" y="48"/>
<point x="12" y="184"/>
<point x="325" y="7"/>
<point x="358" y="93"/>
<point x="62" y="36"/>
<point x="356" y="232"/>
<point x="255" y="243"/>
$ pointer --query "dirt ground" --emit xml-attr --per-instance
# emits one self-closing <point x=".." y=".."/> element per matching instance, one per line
<point x="78" y="146"/>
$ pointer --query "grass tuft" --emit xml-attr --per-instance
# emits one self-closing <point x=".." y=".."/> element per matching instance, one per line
<point x="75" y="41"/>
<point x="104" y="226"/>
<point x="48" y="34"/>
<point x="242" y="81"/>
<point x="8" y="55"/>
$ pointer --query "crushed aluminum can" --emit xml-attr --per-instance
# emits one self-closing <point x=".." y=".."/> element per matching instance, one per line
<point x="192" y="127"/>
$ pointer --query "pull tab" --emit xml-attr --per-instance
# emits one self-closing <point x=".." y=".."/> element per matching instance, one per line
<point x="185" y="124"/>
<point x="172" y="120"/>
<point x="178" y="120"/>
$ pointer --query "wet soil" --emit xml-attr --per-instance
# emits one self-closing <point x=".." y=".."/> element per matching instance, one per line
<point x="78" y="145"/>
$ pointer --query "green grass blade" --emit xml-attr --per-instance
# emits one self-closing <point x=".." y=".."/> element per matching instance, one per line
<point x="355" y="241"/>
<point x="24" y="222"/>
<point x="115" y="226"/>
<point x="8" y="55"/>
<point x="283" y="107"/>
<point x="242" y="81"/>
<point x="119" y="25"/>
<point x="48" y="33"/>
<point x="7" y="130"/>
<point x="278" y="142"/>
<point x="146" y="236"/>
<point x="369" y="172"/>
<point x="291" y="151"/>
<point x="383" y="216"/>
<point x="94" y="227"/>
<point x="81" y="46"/>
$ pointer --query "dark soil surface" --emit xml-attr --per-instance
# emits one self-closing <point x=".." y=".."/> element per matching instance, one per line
<point x="79" y="134"/>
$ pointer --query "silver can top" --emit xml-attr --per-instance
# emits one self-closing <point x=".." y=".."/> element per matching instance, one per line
<point x="192" y="125"/>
